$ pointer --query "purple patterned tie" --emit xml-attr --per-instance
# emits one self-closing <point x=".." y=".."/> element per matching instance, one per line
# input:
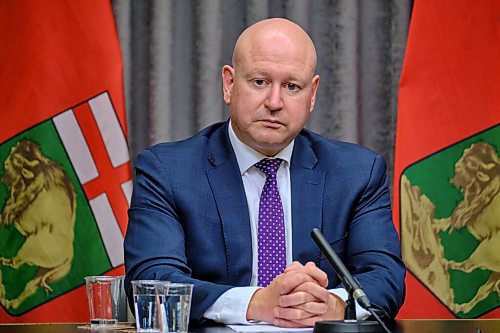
<point x="272" y="249"/>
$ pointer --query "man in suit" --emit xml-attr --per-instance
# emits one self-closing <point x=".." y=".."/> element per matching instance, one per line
<point x="198" y="213"/>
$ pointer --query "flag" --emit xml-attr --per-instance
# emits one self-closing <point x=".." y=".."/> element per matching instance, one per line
<point x="447" y="164"/>
<point x="65" y="181"/>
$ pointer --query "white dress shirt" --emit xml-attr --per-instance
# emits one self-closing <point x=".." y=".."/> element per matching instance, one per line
<point x="231" y="307"/>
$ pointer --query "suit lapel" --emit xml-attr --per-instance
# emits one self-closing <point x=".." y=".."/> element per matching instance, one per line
<point x="307" y="184"/>
<point x="227" y="187"/>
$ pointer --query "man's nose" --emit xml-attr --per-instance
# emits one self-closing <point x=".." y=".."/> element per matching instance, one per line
<point x="274" y="102"/>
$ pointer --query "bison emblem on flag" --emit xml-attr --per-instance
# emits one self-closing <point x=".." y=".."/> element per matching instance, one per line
<point x="41" y="206"/>
<point x="63" y="186"/>
<point x="452" y="244"/>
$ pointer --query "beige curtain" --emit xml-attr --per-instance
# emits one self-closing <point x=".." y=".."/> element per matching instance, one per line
<point x="173" y="51"/>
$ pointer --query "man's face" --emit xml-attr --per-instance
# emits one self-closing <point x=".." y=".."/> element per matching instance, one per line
<point x="270" y="92"/>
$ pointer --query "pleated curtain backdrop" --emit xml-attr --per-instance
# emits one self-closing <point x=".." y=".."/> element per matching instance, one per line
<point x="173" y="51"/>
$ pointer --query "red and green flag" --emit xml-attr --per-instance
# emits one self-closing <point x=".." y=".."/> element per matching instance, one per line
<point x="447" y="161"/>
<point x="65" y="180"/>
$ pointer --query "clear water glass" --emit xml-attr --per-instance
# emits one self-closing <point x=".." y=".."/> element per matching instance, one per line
<point x="177" y="306"/>
<point x="149" y="296"/>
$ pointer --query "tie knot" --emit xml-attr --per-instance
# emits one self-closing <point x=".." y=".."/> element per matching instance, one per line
<point x="269" y="166"/>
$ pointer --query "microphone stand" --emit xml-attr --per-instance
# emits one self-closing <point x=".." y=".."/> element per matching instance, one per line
<point x="350" y="308"/>
<point x="354" y="291"/>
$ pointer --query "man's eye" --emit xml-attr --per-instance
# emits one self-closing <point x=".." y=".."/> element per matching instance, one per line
<point x="292" y="86"/>
<point x="259" y="82"/>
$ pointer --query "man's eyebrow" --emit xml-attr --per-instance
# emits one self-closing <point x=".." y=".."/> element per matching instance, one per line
<point x="264" y="73"/>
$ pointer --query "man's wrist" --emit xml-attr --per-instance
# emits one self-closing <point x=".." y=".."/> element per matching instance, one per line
<point x="255" y="307"/>
<point x="339" y="305"/>
<point x="361" y="313"/>
<point x="231" y="307"/>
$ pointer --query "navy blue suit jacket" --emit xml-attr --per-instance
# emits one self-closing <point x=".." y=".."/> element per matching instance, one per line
<point x="189" y="221"/>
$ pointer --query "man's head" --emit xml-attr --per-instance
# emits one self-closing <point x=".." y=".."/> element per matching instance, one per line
<point x="271" y="88"/>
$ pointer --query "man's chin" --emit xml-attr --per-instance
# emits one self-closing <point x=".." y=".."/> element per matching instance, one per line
<point x="269" y="148"/>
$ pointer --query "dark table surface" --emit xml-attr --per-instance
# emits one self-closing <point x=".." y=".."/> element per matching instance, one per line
<point x="402" y="326"/>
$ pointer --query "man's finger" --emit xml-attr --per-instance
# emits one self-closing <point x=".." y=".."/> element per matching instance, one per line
<point x="316" y="273"/>
<point x="291" y="313"/>
<point x="314" y="290"/>
<point x="292" y="279"/>
<point x="306" y="322"/>
<point x="296" y="298"/>
<point x="293" y="266"/>
<point x="287" y="323"/>
<point x="335" y="311"/>
<point x="316" y="308"/>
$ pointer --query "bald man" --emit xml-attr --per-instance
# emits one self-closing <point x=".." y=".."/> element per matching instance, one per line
<point x="200" y="207"/>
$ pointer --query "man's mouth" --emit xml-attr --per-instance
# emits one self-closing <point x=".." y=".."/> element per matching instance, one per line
<point x="272" y="123"/>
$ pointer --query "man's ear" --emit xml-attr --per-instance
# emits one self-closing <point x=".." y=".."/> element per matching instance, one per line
<point x="315" y="84"/>
<point x="227" y="82"/>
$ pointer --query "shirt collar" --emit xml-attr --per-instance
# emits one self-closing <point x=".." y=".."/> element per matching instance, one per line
<point x="247" y="156"/>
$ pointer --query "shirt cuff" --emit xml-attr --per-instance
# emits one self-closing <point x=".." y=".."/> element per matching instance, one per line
<point x="231" y="307"/>
<point x="361" y="313"/>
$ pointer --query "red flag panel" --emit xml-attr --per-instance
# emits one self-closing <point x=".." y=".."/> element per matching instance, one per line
<point x="58" y="55"/>
<point x="449" y="104"/>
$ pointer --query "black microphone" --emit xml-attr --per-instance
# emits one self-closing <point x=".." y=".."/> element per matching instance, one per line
<point x="349" y="282"/>
<point x="355" y="292"/>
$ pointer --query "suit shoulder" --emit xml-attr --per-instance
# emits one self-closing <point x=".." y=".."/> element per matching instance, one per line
<point x="197" y="144"/>
<point x="191" y="150"/>
<point x="335" y="149"/>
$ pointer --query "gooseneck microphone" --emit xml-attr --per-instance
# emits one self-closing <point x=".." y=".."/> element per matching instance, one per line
<point x="355" y="292"/>
<point x="349" y="282"/>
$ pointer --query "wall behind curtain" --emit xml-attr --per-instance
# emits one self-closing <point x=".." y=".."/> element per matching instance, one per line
<point x="173" y="51"/>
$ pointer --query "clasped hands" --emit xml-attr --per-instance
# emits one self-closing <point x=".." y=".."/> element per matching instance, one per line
<point x="296" y="298"/>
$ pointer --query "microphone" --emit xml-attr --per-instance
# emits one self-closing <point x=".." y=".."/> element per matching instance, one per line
<point x="349" y="282"/>
<point x="355" y="292"/>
